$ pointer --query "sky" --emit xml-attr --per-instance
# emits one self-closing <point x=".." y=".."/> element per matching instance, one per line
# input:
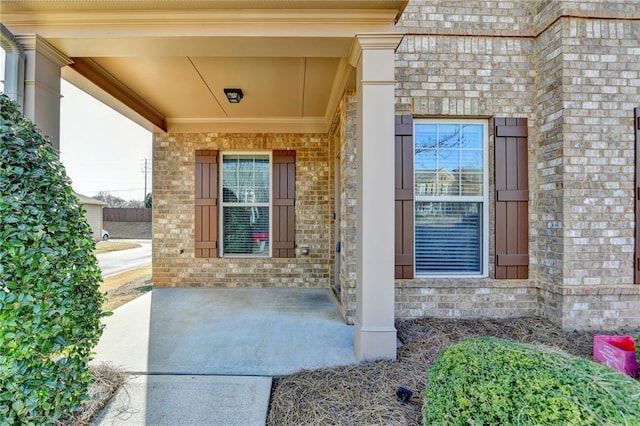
<point x="101" y="149"/>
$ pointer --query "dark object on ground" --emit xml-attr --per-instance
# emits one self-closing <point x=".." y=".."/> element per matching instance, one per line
<point x="403" y="394"/>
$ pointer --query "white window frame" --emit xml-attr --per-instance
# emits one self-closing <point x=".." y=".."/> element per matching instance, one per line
<point x="222" y="204"/>
<point x="484" y="198"/>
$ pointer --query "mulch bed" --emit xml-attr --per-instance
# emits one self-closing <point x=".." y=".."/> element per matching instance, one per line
<point x="364" y="394"/>
<point x="107" y="381"/>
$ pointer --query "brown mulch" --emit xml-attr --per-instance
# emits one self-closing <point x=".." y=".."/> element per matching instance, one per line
<point x="364" y="394"/>
<point x="106" y="381"/>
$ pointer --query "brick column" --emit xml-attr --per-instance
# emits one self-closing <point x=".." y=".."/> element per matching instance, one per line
<point x="373" y="57"/>
<point x="42" y="84"/>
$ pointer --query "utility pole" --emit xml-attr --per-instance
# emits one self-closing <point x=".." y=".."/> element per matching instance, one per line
<point x="146" y="168"/>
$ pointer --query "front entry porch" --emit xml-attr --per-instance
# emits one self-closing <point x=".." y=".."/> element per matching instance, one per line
<point x="227" y="331"/>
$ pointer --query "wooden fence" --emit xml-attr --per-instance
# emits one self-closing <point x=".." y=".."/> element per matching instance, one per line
<point x="128" y="214"/>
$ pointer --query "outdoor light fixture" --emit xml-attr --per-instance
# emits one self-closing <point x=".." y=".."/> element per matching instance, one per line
<point x="233" y="95"/>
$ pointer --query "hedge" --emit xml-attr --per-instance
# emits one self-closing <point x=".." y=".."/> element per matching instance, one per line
<point x="489" y="381"/>
<point x="50" y="306"/>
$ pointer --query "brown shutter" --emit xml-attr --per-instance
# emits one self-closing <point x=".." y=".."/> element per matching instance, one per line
<point x="404" y="260"/>
<point x="636" y="128"/>
<point x="512" y="198"/>
<point x="284" y="191"/>
<point x="206" y="203"/>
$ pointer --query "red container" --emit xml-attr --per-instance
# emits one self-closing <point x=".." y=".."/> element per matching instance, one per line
<point x="617" y="352"/>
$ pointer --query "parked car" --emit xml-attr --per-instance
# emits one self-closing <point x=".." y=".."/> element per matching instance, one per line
<point x="105" y="235"/>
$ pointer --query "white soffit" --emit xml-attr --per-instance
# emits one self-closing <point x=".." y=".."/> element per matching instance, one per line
<point x="165" y="64"/>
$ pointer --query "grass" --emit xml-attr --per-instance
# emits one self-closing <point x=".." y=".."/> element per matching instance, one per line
<point x="107" y="246"/>
<point x="126" y="286"/>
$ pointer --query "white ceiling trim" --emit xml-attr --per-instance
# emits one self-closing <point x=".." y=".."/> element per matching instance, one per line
<point x="42" y="46"/>
<point x="248" y="125"/>
<point x="241" y="23"/>
<point x="259" y="47"/>
<point x="339" y="84"/>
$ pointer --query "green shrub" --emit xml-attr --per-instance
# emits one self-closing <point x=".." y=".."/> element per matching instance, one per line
<point x="50" y="306"/>
<point x="490" y="381"/>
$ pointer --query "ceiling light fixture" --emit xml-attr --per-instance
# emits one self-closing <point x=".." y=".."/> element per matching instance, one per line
<point x="233" y="95"/>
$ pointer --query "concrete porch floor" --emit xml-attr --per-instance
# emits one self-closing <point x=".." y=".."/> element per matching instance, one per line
<point x="227" y="331"/>
<point x="206" y="356"/>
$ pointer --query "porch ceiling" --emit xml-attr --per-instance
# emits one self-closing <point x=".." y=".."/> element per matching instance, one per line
<point x="165" y="64"/>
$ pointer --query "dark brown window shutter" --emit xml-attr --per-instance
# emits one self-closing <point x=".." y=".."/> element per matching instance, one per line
<point x="404" y="260"/>
<point x="636" y="128"/>
<point x="284" y="216"/>
<point x="206" y="203"/>
<point x="512" y="198"/>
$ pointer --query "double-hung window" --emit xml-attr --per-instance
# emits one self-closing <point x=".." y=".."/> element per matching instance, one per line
<point x="451" y="197"/>
<point x="246" y="204"/>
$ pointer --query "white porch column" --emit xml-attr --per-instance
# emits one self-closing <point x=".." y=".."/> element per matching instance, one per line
<point x="375" y="333"/>
<point x="42" y="84"/>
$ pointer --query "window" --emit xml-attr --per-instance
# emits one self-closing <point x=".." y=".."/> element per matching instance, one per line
<point x="246" y="204"/>
<point x="451" y="197"/>
<point x="245" y="171"/>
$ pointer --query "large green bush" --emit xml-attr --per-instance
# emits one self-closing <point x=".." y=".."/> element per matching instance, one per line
<point x="490" y="381"/>
<point x="50" y="306"/>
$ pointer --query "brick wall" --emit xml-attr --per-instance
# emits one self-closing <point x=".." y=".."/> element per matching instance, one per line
<point x="174" y="263"/>
<point x="348" y="203"/>
<point x="453" y="76"/>
<point x="573" y="69"/>
<point x="599" y="85"/>
<point x="456" y="298"/>
<point x="547" y="174"/>
<point x="514" y="18"/>
<point x="445" y="17"/>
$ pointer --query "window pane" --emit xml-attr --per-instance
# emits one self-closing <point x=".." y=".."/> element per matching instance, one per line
<point x="230" y="185"/>
<point x="472" y="135"/>
<point x="449" y="160"/>
<point x="261" y="187"/>
<point x="425" y="137"/>
<point x="448" y="238"/>
<point x="448" y="136"/>
<point x="246" y="230"/>
<point x="471" y="172"/>
<point x="245" y="178"/>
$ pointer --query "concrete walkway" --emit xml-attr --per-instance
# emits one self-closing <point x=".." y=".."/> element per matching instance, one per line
<point x="192" y="348"/>
<point x="189" y="400"/>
